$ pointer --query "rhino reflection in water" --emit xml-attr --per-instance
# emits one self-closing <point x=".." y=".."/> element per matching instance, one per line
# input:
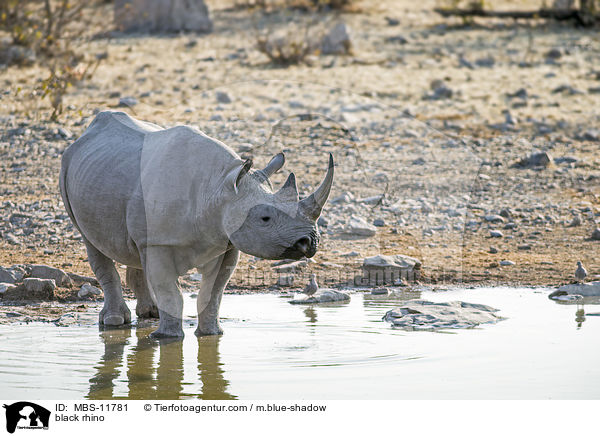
<point x="140" y="360"/>
<point x="163" y="201"/>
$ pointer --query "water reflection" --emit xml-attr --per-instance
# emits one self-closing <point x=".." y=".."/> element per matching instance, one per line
<point x="311" y="314"/>
<point x="580" y="307"/>
<point x="155" y="369"/>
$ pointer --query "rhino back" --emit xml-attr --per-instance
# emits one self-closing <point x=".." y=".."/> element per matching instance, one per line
<point x="100" y="175"/>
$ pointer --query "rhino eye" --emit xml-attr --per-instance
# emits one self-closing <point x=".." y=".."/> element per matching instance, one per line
<point x="266" y="219"/>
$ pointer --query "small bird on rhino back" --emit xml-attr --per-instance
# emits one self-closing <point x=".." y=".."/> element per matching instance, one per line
<point x="580" y="272"/>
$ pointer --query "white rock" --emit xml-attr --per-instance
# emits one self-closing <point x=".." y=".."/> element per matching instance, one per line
<point x="323" y="296"/>
<point x="357" y="226"/>
<point x="6" y="287"/>
<point x="87" y="289"/>
<point x="7" y="276"/>
<point x="162" y="16"/>
<point x="425" y="315"/>
<point x="591" y="289"/>
<point x="337" y="40"/>
<point x="506" y="262"/>
<point x="48" y="272"/>
<point x="39" y="287"/>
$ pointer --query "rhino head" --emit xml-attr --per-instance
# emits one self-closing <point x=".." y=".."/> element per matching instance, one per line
<point x="268" y="224"/>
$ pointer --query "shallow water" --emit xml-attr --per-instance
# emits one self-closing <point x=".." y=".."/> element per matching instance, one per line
<point x="275" y="350"/>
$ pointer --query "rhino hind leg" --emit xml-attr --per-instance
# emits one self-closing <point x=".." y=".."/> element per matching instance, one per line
<point x="145" y="307"/>
<point x="209" y="298"/>
<point x="115" y="312"/>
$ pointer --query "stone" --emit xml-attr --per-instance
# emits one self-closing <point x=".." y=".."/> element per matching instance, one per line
<point x="322" y="296"/>
<point x="575" y="222"/>
<point x="12" y="239"/>
<point x="388" y="269"/>
<point x="496" y="234"/>
<point x="426" y="315"/>
<point x="553" y="53"/>
<point x="38" y="288"/>
<point x="591" y="135"/>
<point x="4" y="287"/>
<point x="493" y="250"/>
<point x="7" y="276"/>
<point x="596" y="234"/>
<point x="223" y="97"/>
<point x="80" y="280"/>
<point x="162" y="16"/>
<point x="379" y="291"/>
<point x="60" y="277"/>
<point x="291" y="267"/>
<point x="379" y="222"/>
<point x="127" y="101"/>
<point x="88" y="290"/>
<point x="506" y="263"/>
<point x="591" y="289"/>
<point x="358" y="227"/>
<point x="536" y="159"/>
<point x="493" y="218"/>
<point x="486" y="62"/>
<point x="337" y="40"/>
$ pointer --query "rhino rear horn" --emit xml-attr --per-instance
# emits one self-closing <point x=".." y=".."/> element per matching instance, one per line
<point x="313" y="204"/>
<point x="289" y="190"/>
<point x="274" y="165"/>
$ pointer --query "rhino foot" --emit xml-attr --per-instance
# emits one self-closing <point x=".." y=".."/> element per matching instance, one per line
<point x="209" y="330"/>
<point x="115" y="317"/>
<point x="169" y="327"/>
<point x="146" y="310"/>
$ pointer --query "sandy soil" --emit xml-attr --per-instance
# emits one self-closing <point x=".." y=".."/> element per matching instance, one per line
<point x="442" y="164"/>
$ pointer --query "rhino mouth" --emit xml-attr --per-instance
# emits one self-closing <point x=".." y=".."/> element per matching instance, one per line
<point x="303" y="247"/>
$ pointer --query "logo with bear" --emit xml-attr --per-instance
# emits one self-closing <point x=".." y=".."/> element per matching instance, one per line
<point x="26" y="415"/>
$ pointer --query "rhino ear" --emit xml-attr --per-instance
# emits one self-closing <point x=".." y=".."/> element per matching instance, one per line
<point x="235" y="175"/>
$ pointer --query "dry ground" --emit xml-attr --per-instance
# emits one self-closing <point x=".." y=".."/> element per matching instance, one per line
<point x="370" y="109"/>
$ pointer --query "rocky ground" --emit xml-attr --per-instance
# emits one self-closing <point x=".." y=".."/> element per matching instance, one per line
<point x="473" y="148"/>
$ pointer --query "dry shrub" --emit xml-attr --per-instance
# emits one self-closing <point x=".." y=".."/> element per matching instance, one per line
<point x="52" y="33"/>
<point x="292" y="47"/>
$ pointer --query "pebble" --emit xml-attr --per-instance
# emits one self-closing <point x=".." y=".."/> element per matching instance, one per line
<point x="379" y="222"/>
<point x="88" y="289"/>
<point x="596" y="234"/>
<point x="493" y="250"/>
<point x="6" y="287"/>
<point x="536" y="159"/>
<point x="223" y="97"/>
<point x="337" y="40"/>
<point x="357" y="226"/>
<point x="496" y="234"/>
<point x="39" y="288"/>
<point x="494" y="218"/>
<point x="506" y="262"/>
<point x="127" y="101"/>
<point x="7" y="276"/>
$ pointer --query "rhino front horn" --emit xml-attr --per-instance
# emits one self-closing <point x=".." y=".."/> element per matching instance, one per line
<point x="313" y="204"/>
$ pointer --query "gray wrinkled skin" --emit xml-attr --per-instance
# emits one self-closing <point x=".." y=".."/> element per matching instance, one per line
<point x="163" y="201"/>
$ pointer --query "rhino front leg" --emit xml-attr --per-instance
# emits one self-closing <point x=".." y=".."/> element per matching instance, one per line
<point x="145" y="307"/>
<point x="161" y="274"/>
<point x="214" y="279"/>
<point x="115" y="312"/>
